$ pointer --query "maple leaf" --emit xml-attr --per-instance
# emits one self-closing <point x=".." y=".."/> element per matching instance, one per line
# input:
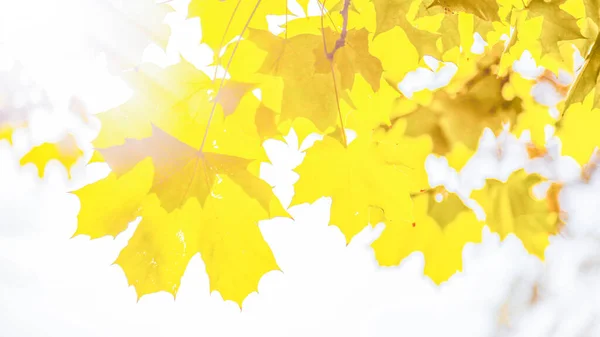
<point x="230" y="243"/>
<point x="358" y="181"/>
<point x="234" y="252"/>
<point x="182" y="172"/>
<point x="66" y="151"/>
<point x="557" y="24"/>
<point x="545" y="24"/>
<point x="440" y="231"/>
<point x="577" y="130"/>
<point x="174" y="147"/>
<point x="511" y="207"/>
<point x="587" y="80"/>
<point x="313" y="84"/>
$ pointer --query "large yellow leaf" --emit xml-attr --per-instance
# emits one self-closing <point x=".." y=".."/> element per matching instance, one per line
<point x="511" y="207"/>
<point x="357" y="179"/>
<point x="440" y="231"/>
<point x="314" y="83"/>
<point x="230" y="243"/>
<point x="183" y="156"/>
<point x="547" y="25"/>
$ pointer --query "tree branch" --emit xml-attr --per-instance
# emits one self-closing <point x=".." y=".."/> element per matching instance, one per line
<point x="341" y="41"/>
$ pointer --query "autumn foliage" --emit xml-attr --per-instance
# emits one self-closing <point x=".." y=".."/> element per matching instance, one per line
<point x="185" y="150"/>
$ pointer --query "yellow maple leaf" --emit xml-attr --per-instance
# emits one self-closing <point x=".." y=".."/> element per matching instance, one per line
<point x="577" y="130"/>
<point x="184" y="153"/>
<point x="357" y="179"/>
<point x="234" y="252"/>
<point x="511" y="207"/>
<point x="440" y="231"/>
<point x="230" y="243"/>
<point x="66" y="151"/>
<point x="314" y="83"/>
<point x="545" y="24"/>
<point x="390" y="13"/>
<point x="588" y="79"/>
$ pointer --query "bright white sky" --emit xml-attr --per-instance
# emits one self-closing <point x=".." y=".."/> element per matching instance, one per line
<point x="51" y="285"/>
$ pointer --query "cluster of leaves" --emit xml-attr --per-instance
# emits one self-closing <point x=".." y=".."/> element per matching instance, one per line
<point x="185" y="150"/>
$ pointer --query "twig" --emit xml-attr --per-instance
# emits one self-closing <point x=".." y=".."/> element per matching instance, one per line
<point x="341" y="41"/>
<point x="216" y="100"/>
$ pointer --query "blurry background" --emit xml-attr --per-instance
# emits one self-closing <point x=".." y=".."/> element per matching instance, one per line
<point x="59" y="62"/>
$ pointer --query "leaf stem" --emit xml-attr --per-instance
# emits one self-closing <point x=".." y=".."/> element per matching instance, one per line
<point x="216" y="100"/>
<point x="223" y="39"/>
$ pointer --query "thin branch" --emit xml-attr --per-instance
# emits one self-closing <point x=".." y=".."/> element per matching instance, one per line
<point x="341" y="41"/>
<point x="330" y="58"/>
<point x="216" y="100"/>
<point x="223" y="39"/>
<point x="322" y="7"/>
